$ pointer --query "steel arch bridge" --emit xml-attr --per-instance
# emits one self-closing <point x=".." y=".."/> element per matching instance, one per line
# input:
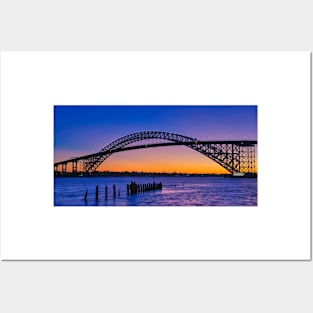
<point x="236" y="156"/>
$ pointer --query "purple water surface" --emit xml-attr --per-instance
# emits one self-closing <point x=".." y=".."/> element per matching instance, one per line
<point x="176" y="191"/>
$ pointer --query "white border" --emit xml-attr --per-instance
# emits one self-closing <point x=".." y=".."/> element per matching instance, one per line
<point x="32" y="82"/>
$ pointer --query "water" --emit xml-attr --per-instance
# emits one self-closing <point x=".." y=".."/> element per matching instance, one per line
<point x="176" y="191"/>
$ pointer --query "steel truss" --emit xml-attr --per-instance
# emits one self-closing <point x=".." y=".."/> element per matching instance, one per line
<point x="234" y="156"/>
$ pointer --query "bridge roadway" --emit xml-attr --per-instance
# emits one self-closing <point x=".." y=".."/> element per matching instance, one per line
<point x="244" y="143"/>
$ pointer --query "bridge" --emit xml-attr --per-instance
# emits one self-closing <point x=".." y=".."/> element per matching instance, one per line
<point x="236" y="156"/>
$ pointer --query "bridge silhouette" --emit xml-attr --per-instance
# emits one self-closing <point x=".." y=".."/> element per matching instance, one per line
<point x="236" y="156"/>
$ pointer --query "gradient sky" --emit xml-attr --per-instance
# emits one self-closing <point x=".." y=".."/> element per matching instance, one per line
<point x="80" y="130"/>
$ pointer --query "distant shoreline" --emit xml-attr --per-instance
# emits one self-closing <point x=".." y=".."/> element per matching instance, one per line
<point x="140" y="174"/>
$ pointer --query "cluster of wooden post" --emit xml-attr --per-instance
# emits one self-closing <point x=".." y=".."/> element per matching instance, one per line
<point x="105" y="193"/>
<point x="134" y="188"/>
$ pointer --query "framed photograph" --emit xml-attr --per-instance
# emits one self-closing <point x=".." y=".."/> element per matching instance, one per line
<point x="155" y="155"/>
<point x="148" y="161"/>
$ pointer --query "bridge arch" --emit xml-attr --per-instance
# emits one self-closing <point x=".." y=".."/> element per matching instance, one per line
<point x="229" y="154"/>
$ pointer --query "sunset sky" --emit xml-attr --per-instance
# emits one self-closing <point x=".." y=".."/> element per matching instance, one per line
<point x="80" y="130"/>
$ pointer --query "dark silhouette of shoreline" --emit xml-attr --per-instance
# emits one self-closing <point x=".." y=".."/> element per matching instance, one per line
<point x="141" y="174"/>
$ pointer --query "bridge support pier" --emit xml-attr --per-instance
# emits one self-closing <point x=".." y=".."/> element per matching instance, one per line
<point x="64" y="168"/>
<point x="247" y="159"/>
<point x="74" y="166"/>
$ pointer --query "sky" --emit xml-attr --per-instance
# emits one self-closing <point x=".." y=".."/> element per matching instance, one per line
<point x="80" y="130"/>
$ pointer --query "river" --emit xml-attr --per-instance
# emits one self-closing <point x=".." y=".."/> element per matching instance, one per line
<point x="176" y="191"/>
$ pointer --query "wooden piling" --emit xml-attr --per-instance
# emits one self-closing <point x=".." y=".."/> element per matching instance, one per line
<point x="106" y="192"/>
<point x="86" y="195"/>
<point x="134" y="188"/>
<point x="97" y="192"/>
<point x="114" y="191"/>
